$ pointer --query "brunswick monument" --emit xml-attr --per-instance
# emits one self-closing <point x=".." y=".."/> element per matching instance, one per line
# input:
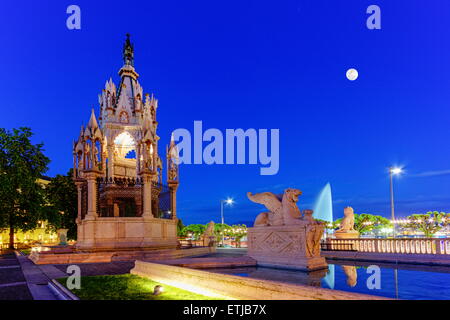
<point x="283" y="236"/>
<point x="123" y="204"/>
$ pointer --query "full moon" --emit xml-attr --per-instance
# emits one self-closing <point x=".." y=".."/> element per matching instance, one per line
<point x="352" y="74"/>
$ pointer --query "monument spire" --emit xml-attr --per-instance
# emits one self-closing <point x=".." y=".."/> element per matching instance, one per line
<point x="128" y="52"/>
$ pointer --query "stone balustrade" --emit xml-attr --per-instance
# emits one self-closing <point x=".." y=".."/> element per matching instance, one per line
<point x="435" y="246"/>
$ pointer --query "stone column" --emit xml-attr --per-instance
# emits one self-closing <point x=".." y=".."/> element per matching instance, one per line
<point x="79" y="184"/>
<point x="147" y="178"/>
<point x="104" y="155"/>
<point x="173" y="186"/>
<point x="92" y="196"/>
<point x="110" y="161"/>
<point x="75" y="169"/>
<point x="138" y="158"/>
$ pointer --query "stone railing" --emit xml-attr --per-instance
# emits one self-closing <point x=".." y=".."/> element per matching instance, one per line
<point x="437" y="246"/>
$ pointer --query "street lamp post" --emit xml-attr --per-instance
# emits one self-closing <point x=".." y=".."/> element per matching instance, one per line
<point x="229" y="201"/>
<point x="393" y="171"/>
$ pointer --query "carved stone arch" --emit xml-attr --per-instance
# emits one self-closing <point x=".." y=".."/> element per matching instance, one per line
<point x="124" y="117"/>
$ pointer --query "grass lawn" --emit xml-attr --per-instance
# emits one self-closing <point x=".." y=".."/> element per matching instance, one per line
<point x="26" y="251"/>
<point x="128" y="287"/>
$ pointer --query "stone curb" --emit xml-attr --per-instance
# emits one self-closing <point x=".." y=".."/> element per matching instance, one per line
<point x="62" y="292"/>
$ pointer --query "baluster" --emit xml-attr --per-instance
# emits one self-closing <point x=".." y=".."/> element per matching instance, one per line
<point x="429" y="248"/>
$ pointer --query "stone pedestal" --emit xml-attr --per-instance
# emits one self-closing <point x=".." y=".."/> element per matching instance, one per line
<point x="127" y="232"/>
<point x="289" y="246"/>
<point x="353" y="234"/>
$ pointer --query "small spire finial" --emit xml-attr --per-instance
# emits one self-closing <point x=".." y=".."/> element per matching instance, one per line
<point x="128" y="52"/>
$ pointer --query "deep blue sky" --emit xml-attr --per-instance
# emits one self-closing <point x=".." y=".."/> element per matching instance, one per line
<point x="252" y="64"/>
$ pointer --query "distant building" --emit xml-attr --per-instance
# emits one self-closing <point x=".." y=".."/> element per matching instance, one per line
<point x="38" y="235"/>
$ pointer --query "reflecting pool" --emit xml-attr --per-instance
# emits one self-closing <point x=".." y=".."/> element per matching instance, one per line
<point x="396" y="281"/>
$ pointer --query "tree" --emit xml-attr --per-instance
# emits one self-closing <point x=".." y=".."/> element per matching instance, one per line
<point x="180" y="228"/>
<point x="365" y="222"/>
<point x="196" y="230"/>
<point x="429" y="223"/>
<point x="62" y="204"/>
<point x="238" y="231"/>
<point x="21" y="196"/>
<point x="221" y="229"/>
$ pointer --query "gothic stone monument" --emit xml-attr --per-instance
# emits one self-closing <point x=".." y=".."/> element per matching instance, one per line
<point x="122" y="202"/>
<point x="283" y="237"/>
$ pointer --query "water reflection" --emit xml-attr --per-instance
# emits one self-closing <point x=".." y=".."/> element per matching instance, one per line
<point x="313" y="279"/>
<point x="397" y="281"/>
<point x="352" y="276"/>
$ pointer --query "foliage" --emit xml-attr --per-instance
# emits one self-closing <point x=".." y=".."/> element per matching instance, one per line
<point x="22" y="163"/>
<point x="365" y="222"/>
<point x="429" y="223"/>
<point x="62" y="204"/>
<point x="128" y="287"/>
<point x="328" y="225"/>
<point x="195" y="230"/>
<point x="221" y="230"/>
<point x="238" y="231"/>
<point x="180" y="228"/>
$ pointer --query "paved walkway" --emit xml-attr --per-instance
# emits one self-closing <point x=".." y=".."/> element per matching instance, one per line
<point x="21" y="279"/>
<point x="13" y="285"/>
<point x="96" y="269"/>
<point x="36" y="279"/>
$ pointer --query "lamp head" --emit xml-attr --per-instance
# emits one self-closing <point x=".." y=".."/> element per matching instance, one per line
<point x="395" y="170"/>
<point x="229" y="201"/>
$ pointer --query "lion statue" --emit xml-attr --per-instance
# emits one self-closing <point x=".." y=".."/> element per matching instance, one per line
<point x="347" y="227"/>
<point x="348" y="222"/>
<point x="282" y="210"/>
<point x="208" y="235"/>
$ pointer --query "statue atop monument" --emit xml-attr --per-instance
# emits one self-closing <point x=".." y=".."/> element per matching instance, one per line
<point x="284" y="236"/>
<point x="347" y="227"/>
<point x="282" y="210"/>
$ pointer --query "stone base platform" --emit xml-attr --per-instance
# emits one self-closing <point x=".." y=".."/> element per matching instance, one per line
<point x="307" y="264"/>
<point x="207" y="263"/>
<point x="294" y="246"/>
<point x="233" y="287"/>
<point x="346" y="235"/>
<point x="70" y="255"/>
